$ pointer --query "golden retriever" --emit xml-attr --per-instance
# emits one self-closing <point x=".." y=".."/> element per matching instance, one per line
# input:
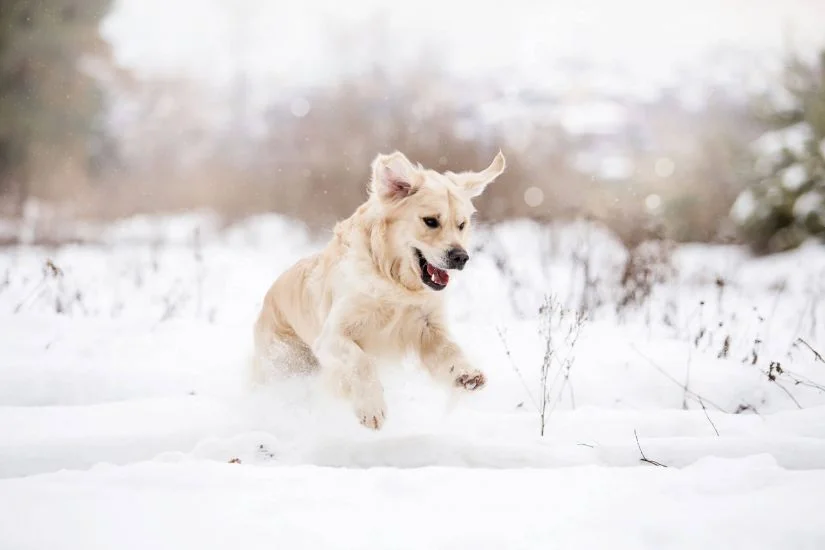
<point x="374" y="292"/>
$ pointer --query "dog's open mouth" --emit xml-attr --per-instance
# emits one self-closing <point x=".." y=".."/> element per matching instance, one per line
<point x="432" y="276"/>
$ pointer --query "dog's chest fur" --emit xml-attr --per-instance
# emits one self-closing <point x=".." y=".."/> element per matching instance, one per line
<point x="388" y="329"/>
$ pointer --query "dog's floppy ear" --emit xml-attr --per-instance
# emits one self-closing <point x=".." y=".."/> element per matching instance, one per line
<point x="474" y="183"/>
<point x="393" y="177"/>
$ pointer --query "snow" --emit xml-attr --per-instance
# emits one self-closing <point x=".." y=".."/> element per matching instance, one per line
<point x="768" y="148"/>
<point x="797" y="137"/>
<point x="807" y="204"/>
<point x="771" y="145"/>
<point x="744" y="206"/>
<point x="794" y="177"/>
<point x="714" y="503"/>
<point x="128" y="417"/>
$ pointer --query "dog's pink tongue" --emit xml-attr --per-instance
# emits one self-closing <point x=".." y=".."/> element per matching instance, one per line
<point x="440" y="276"/>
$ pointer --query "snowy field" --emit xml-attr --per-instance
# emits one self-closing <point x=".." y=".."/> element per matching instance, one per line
<point x="128" y="419"/>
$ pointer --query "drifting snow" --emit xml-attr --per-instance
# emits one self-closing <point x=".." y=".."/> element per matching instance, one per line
<point x="793" y="139"/>
<point x="125" y="395"/>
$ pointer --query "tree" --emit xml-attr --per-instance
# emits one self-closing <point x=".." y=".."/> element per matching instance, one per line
<point x="49" y="106"/>
<point x="785" y="205"/>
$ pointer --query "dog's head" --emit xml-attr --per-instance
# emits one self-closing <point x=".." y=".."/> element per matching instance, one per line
<point x="427" y="215"/>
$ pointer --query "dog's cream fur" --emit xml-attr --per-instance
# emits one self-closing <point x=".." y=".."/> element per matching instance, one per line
<point x="362" y="298"/>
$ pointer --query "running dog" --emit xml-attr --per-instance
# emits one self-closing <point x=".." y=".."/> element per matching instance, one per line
<point x="375" y="291"/>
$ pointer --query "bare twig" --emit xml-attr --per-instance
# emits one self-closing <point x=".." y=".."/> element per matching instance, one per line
<point x="545" y="371"/>
<point x="644" y="458"/>
<point x="556" y="318"/>
<point x="515" y="368"/>
<point x="34" y="291"/>
<point x="775" y="370"/>
<point x="780" y="287"/>
<point x="799" y="380"/>
<point x="817" y="355"/>
<point x="197" y="249"/>
<point x="708" y="416"/>
<point x="690" y="357"/>
<point x="784" y="389"/>
<point x="50" y="269"/>
<point x="664" y="373"/>
<point x="570" y="386"/>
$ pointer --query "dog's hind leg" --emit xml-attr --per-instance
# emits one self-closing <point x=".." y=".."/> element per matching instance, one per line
<point x="283" y="356"/>
<point x="280" y="352"/>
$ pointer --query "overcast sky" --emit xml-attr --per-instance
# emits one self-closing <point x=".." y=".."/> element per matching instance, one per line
<point x="291" y="40"/>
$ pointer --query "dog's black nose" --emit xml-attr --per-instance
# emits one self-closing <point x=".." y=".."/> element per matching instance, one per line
<point x="457" y="257"/>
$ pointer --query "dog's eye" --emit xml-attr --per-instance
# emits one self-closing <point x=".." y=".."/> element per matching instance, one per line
<point x="461" y="226"/>
<point x="432" y="223"/>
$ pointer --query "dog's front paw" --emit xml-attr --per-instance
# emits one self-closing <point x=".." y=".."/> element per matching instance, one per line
<point x="471" y="381"/>
<point x="372" y="413"/>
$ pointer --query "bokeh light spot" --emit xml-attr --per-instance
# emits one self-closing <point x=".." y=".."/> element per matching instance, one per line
<point x="653" y="202"/>
<point x="664" y="167"/>
<point x="299" y="107"/>
<point x="534" y="196"/>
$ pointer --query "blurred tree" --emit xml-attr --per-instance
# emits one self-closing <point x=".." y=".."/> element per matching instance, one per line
<point x="786" y="203"/>
<point x="49" y="105"/>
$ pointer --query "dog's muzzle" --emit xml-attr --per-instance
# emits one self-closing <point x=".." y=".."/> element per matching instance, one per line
<point x="457" y="258"/>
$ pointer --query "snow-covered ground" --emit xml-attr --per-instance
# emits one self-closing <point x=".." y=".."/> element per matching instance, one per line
<point x="128" y="420"/>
